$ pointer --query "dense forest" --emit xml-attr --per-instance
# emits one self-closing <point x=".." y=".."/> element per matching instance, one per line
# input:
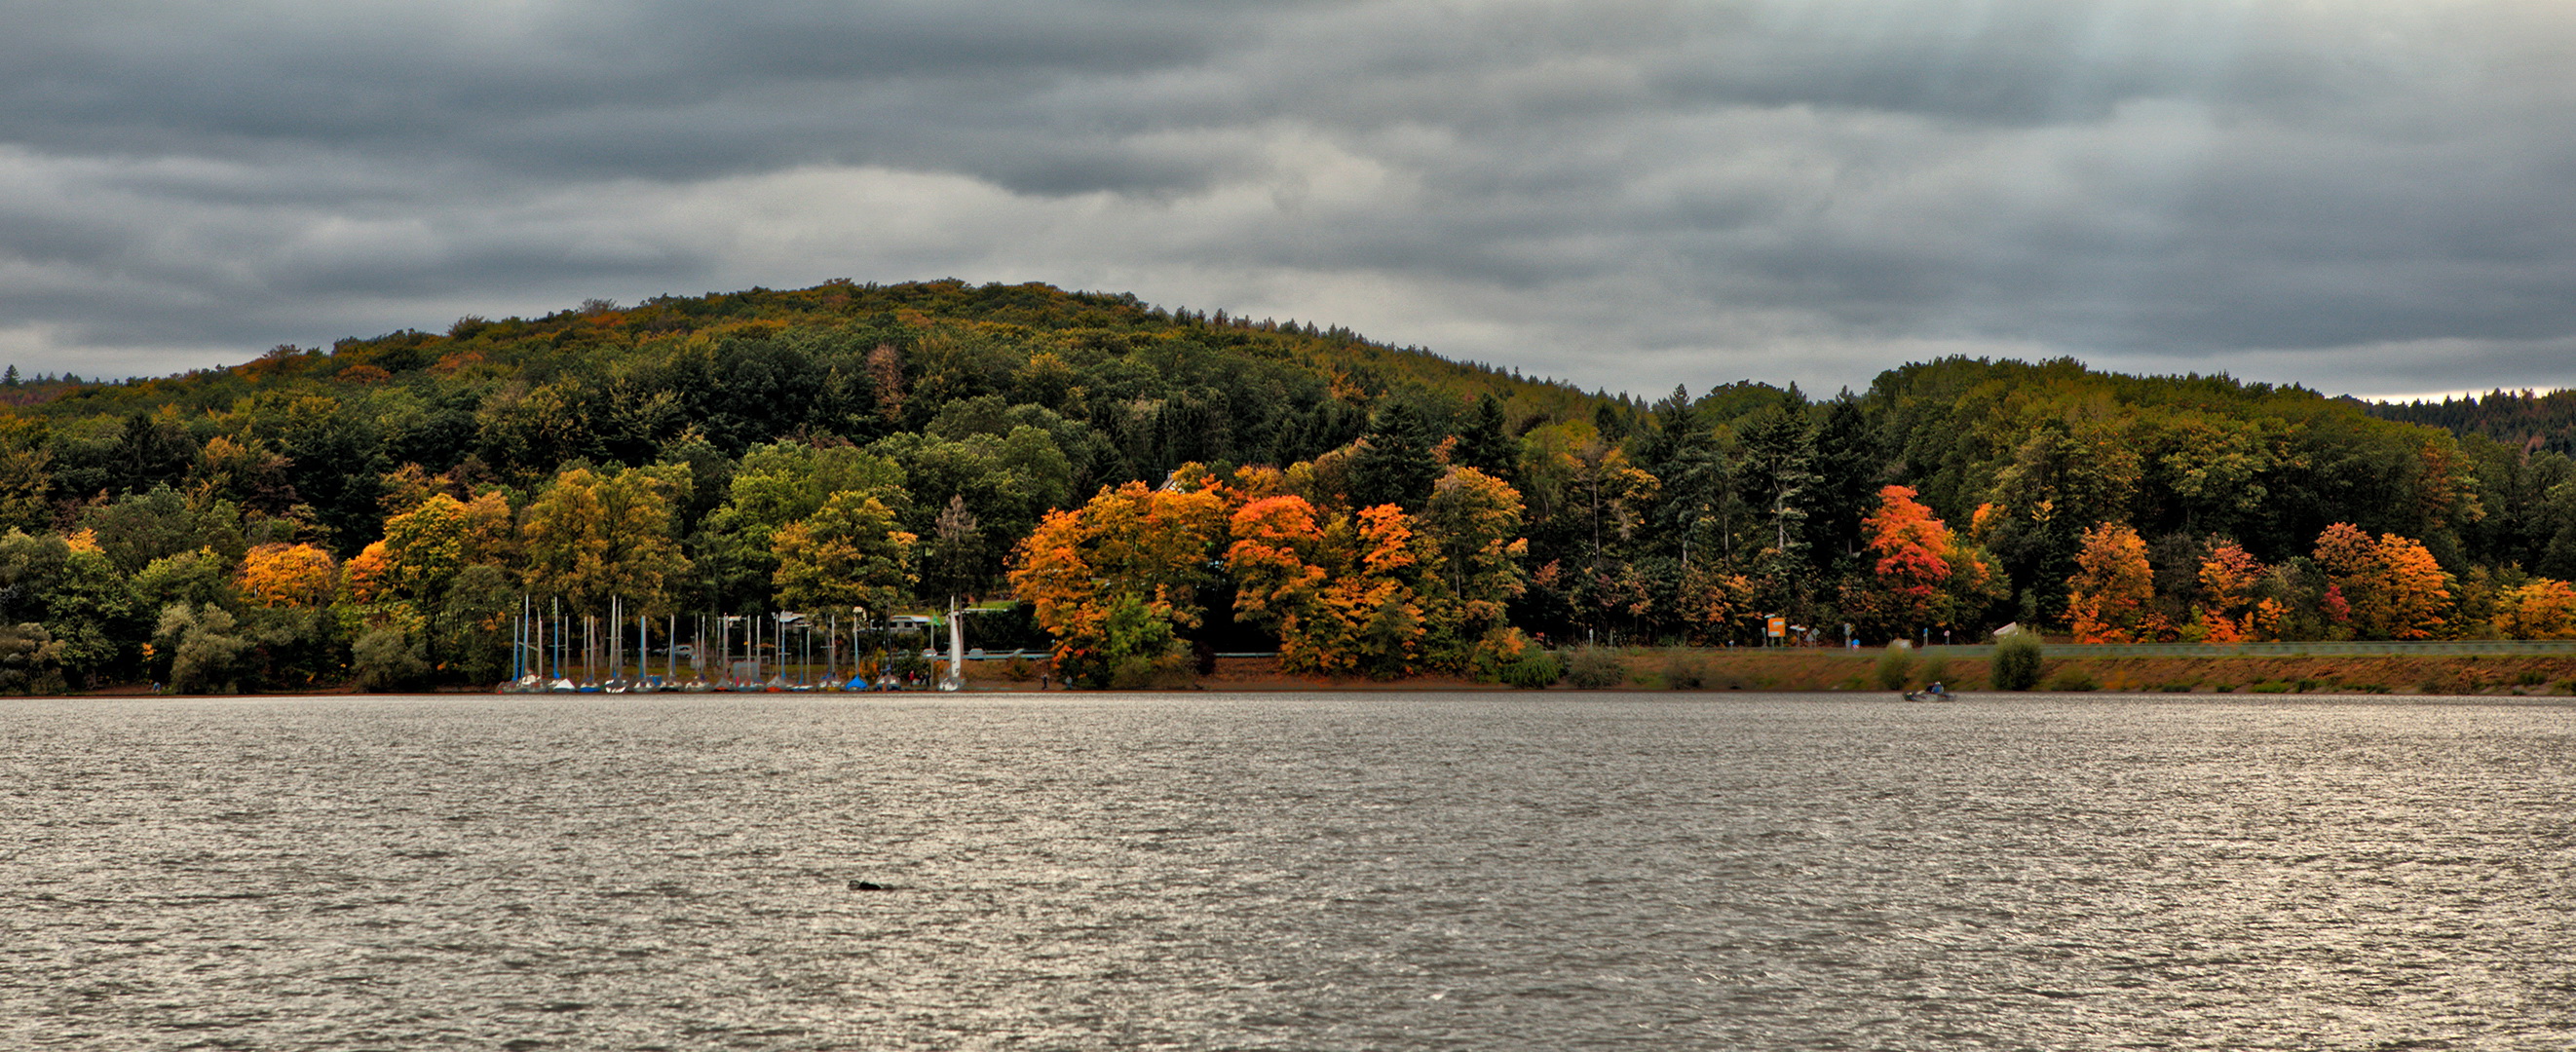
<point x="2539" y="420"/>
<point x="1149" y="484"/>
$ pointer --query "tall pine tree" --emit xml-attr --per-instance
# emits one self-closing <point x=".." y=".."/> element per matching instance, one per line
<point x="1394" y="464"/>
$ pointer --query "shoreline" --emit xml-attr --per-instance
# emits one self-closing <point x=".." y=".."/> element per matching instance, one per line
<point x="1829" y="672"/>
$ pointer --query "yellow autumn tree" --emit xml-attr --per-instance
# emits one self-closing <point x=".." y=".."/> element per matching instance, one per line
<point x="2110" y="597"/>
<point x="1718" y="603"/>
<point x="425" y="547"/>
<point x="278" y="575"/>
<point x="2541" y="608"/>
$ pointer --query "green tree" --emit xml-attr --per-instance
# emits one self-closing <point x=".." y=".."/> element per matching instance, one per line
<point x="1393" y="464"/>
<point x="955" y="561"/>
<point x="1686" y="457"/>
<point x="1471" y="528"/>
<point x="1485" y="442"/>
<point x="776" y="484"/>
<point x="848" y="553"/>
<point x="26" y="474"/>
<point x="593" y="537"/>
<point x="138" y="528"/>
<point x="1778" y="455"/>
<point x="203" y="648"/>
<point x="31" y="662"/>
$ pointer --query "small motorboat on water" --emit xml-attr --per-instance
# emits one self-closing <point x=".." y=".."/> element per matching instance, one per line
<point x="1935" y="692"/>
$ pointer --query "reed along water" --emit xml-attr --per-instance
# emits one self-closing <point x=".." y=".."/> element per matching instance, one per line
<point x="1207" y="871"/>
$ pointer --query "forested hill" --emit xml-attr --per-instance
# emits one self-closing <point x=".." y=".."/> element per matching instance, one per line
<point x="2515" y="418"/>
<point x="1131" y="390"/>
<point x="1149" y="480"/>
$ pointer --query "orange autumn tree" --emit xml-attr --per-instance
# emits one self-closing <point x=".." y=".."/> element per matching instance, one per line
<point x="1342" y="594"/>
<point x="2541" y="608"/>
<point x="1376" y="596"/>
<point x="1920" y="575"/>
<point x="371" y="595"/>
<point x="2110" y="597"/>
<point x="1381" y="593"/>
<point x="2395" y="588"/>
<point x="2228" y="611"/>
<point x="1278" y="560"/>
<point x="1116" y="580"/>
<point x="2414" y="593"/>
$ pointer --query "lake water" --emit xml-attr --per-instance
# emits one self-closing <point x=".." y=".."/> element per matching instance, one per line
<point x="1286" y="872"/>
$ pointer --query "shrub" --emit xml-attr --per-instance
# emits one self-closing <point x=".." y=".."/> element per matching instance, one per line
<point x="1533" y="670"/>
<point x="2017" y="662"/>
<point x="1896" y="668"/>
<point x="383" y="658"/>
<point x="1174" y="670"/>
<point x="204" y="646"/>
<point x="1684" y="672"/>
<point x="31" y="660"/>
<point x="1595" y="668"/>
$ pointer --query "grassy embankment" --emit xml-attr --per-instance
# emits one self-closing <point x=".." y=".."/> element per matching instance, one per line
<point x="1839" y="670"/>
<point x="1832" y="670"/>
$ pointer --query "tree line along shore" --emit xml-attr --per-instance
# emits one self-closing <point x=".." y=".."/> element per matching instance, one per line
<point x="1134" y="487"/>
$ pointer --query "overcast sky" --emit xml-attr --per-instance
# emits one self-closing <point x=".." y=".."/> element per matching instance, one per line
<point x="2368" y="197"/>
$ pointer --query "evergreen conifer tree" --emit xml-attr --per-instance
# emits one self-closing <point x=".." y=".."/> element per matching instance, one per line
<point x="1485" y="444"/>
<point x="1779" y="470"/>
<point x="1394" y="464"/>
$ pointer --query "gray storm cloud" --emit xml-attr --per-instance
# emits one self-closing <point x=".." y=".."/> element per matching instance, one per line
<point x="2362" y="196"/>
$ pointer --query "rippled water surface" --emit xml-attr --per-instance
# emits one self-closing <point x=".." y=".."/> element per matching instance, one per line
<point x="1211" y="871"/>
